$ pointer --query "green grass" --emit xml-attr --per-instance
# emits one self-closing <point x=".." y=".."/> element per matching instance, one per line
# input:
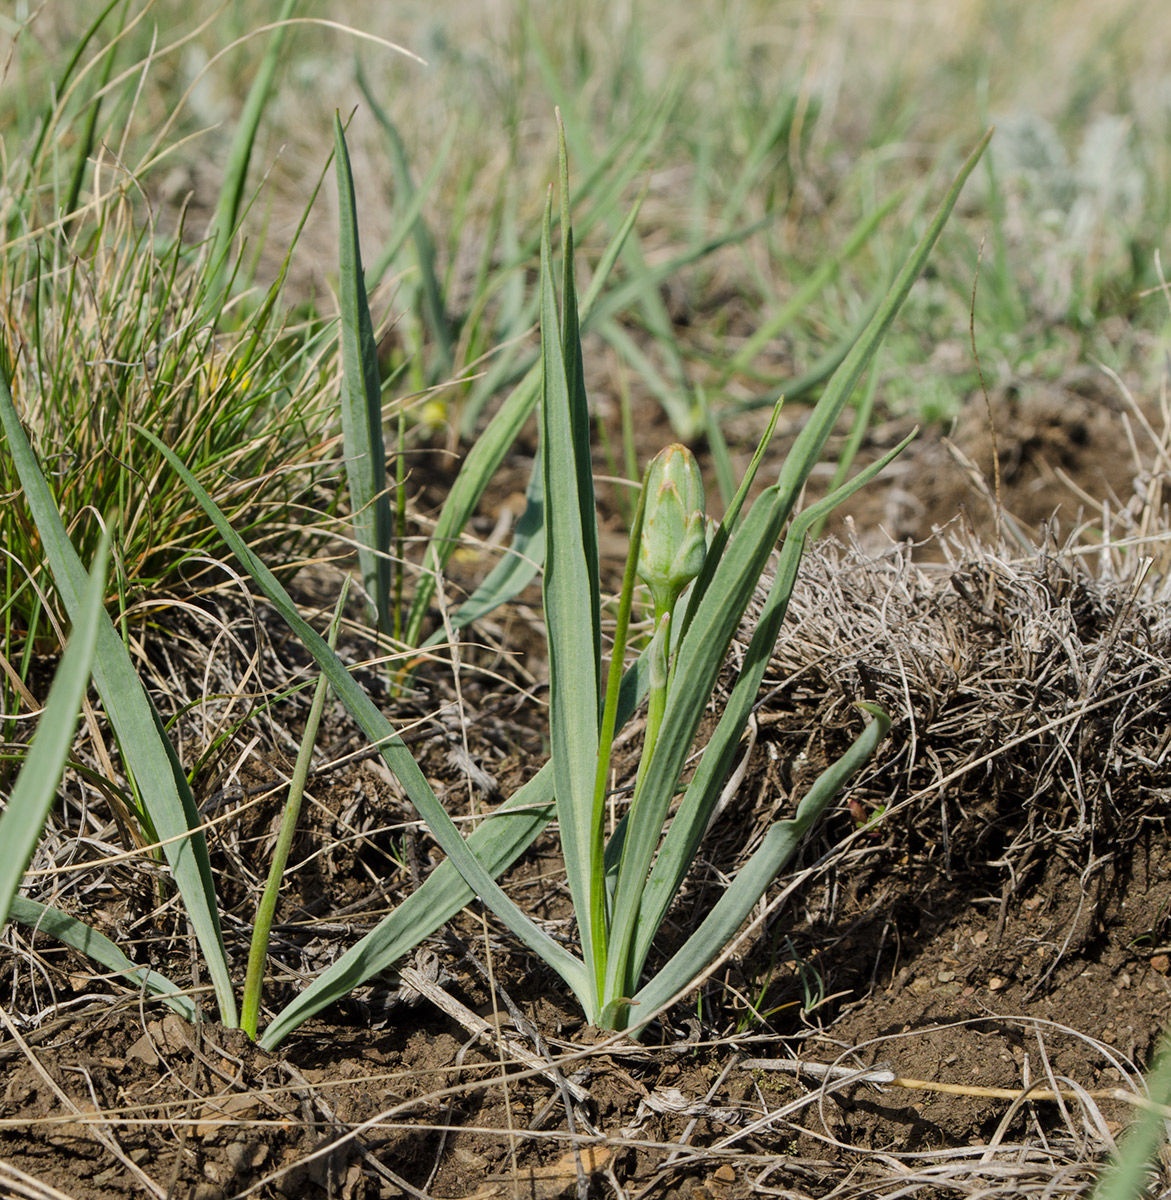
<point x="763" y="240"/>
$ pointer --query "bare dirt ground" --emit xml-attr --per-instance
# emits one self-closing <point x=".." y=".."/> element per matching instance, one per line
<point x="1004" y="926"/>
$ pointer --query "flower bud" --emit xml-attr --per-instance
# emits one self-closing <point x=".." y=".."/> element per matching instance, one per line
<point x="674" y="542"/>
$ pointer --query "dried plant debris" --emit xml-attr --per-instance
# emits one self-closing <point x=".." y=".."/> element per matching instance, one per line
<point x="1031" y="698"/>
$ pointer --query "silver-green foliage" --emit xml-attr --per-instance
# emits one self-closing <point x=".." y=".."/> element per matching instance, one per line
<point x="623" y="887"/>
<point x="36" y="786"/>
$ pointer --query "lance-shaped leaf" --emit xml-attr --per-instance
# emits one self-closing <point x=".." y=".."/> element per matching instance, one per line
<point x="146" y="752"/>
<point x="361" y="406"/>
<point x="36" y="786"/>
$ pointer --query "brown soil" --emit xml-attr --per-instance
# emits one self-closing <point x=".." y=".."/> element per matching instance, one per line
<point x="1006" y="925"/>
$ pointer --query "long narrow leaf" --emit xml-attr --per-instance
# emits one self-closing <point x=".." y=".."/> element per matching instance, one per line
<point x="516" y="570"/>
<point x="266" y="909"/>
<point x="1128" y="1176"/>
<point x="812" y="287"/>
<point x="85" y="142"/>
<point x="36" y="786"/>
<point x="147" y="754"/>
<point x="48" y="123"/>
<point x="389" y="744"/>
<point x="240" y="154"/>
<point x="361" y="407"/>
<point x="571" y="607"/>
<point x="433" y="308"/>
<point x="812" y="438"/>
<point x="753" y="878"/>
<point x="578" y="408"/>
<point x="80" y="936"/>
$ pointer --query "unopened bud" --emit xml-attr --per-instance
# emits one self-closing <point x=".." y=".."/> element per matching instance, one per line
<point x="674" y="542"/>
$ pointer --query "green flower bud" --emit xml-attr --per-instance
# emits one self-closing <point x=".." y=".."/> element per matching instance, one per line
<point x="674" y="541"/>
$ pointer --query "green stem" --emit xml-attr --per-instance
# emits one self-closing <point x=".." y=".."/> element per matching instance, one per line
<point x="266" y="909"/>
<point x="659" y="678"/>
<point x="606" y="745"/>
<point x="400" y="528"/>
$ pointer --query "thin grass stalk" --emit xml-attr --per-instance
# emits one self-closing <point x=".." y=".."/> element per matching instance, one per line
<point x="86" y="141"/>
<point x="434" y="312"/>
<point x="266" y="909"/>
<point x="227" y="211"/>
<point x="63" y="81"/>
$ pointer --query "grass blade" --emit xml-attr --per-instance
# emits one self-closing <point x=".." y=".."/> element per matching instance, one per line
<point x="433" y="308"/>
<point x="231" y="195"/>
<point x="1128" y="1176"/>
<point x="811" y="288"/>
<point x="36" y="786"/>
<point x="753" y="878"/>
<point x="146" y="752"/>
<point x="361" y="408"/>
<point x="72" y="932"/>
<point x="812" y="438"/>
<point x="382" y="734"/>
<point x="86" y="140"/>
<point x="47" y="120"/>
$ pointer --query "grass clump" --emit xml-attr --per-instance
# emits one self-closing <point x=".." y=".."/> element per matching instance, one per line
<point x="112" y="314"/>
